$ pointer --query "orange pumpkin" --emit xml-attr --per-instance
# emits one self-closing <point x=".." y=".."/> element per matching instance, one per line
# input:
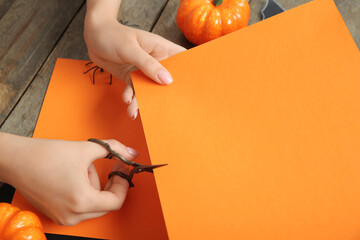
<point x="205" y="20"/>
<point x="19" y="225"/>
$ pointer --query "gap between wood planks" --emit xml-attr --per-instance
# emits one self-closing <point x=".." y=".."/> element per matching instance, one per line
<point x="159" y="15"/>
<point x="42" y="64"/>
<point x="4" y="7"/>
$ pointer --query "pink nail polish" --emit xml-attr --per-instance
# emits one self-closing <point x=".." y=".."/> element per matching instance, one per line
<point x="135" y="115"/>
<point x="132" y="151"/>
<point x="165" y="77"/>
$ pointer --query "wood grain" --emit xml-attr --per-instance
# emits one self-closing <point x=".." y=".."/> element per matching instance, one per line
<point x="23" y="118"/>
<point x="167" y="28"/>
<point x="6" y="93"/>
<point x="29" y="31"/>
<point x="4" y="6"/>
<point x="350" y="11"/>
<point x="142" y="14"/>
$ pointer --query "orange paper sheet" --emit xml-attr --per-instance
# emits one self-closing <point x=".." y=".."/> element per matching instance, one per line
<point x="75" y="109"/>
<point x="261" y="131"/>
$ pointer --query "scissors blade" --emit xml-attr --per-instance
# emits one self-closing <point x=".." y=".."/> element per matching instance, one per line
<point x="147" y="168"/>
<point x="271" y="9"/>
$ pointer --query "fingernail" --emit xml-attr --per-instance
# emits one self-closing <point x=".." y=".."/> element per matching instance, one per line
<point x="129" y="101"/>
<point x="165" y="77"/>
<point x="135" y="115"/>
<point x="132" y="151"/>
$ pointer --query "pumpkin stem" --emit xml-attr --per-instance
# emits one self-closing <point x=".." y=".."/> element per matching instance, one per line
<point x="217" y="2"/>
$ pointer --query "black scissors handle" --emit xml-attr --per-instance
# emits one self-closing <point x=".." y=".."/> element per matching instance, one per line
<point x="137" y="168"/>
<point x="123" y="175"/>
<point x="112" y="153"/>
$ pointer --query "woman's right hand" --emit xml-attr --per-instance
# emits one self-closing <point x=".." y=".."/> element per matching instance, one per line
<point x="59" y="178"/>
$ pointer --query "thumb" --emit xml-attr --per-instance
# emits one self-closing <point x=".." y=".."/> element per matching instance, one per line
<point x="113" y="196"/>
<point x="150" y="67"/>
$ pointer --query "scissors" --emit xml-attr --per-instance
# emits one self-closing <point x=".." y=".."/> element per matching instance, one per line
<point x="137" y="167"/>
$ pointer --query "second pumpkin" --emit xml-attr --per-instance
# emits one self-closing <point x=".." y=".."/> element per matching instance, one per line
<point x="205" y="20"/>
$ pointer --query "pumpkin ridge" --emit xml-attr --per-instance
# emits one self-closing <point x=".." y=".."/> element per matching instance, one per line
<point x="27" y="219"/>
<point x="191" y="12"/>
<point x="209" y="28"/>
<point x="5" y="224"/>
<point x="185" y="13"/>
<point x="14" y="223"/>
<point x="33" y="232"/>
<point x="206" y="11"/>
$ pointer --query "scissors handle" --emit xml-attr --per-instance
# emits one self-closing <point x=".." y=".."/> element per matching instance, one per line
<point x="112" y="153"/>
<point x="123" y="175"/>
<point x="137" y="168"/>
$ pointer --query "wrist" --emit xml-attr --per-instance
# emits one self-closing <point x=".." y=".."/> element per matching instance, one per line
<point x="99" y="10"/>
<point x="13" y="153"/>
<point x="5" y="158"/>
<point x="97" y="19"/>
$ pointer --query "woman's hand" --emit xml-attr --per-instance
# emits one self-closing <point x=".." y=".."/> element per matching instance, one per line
<point x="59" y="177"/>
<point x="120" y="50"/>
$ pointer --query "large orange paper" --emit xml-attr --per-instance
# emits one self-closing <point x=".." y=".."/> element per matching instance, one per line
<point x="261" y="130"/>
<point x="75" y="109"/>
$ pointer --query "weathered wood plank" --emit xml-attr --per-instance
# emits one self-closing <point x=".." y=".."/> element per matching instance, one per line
<point x="255" y="14"/>
<point x="22" y="119"/>
<point x="350" y="11"/>
<point x="166" y="25"/>
<point x="4" y="6"/>
<point x="141" y="13"/>
<point x="29" y="31"/>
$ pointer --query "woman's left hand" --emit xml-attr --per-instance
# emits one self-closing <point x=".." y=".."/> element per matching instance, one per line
<point x="120" y="50"/>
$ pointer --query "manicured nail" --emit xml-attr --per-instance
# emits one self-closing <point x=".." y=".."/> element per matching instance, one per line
<point x="165" y="77"/>
<point x="132" y="151"/>
<point x="135" y="115"/>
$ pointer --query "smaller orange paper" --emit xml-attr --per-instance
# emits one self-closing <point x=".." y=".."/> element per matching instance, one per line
<point x="75" y="109"/>
<point x="261" y="131"/>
